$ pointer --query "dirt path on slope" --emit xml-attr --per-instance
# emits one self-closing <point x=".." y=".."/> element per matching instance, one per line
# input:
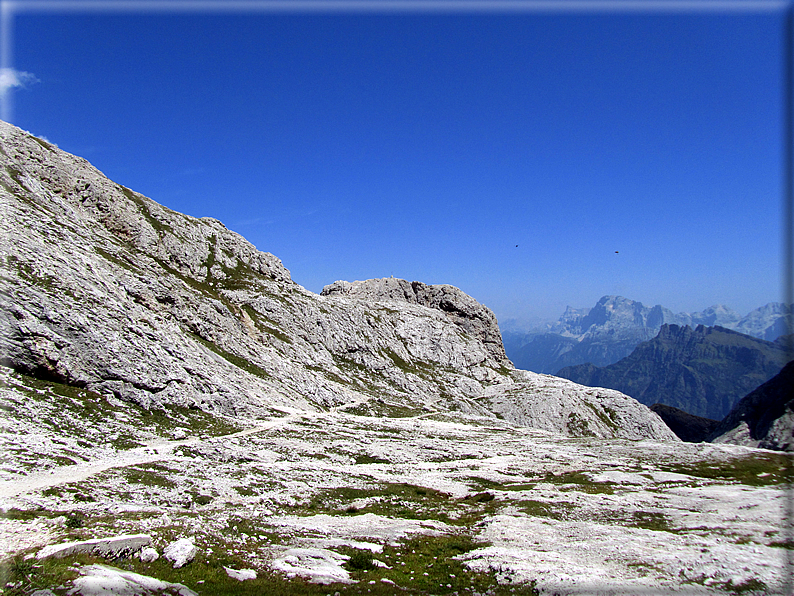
<point x="153" y="451"/>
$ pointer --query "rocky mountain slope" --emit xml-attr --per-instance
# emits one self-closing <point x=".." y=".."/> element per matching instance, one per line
<point x="763" y="418"/>
<point x="703" y="371"/>
<point x="178" y="416"/>
<point x="107" y="290"/>
<point x="611" y="330"/>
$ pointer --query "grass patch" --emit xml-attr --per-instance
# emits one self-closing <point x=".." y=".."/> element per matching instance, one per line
<point x="245" y="491"/>
<point x="16" y="175"/>
<point x="606" y="415"/>
<point x="159" y="226"/>
<point x="519" y="486"/>
<point x="428" y="565"/>
<point x="581" y="482"/>
<point x="71" y="410"/>
<point x="232" y="359"/>
<point x="558" y="511"/>
<point x="751" y="586"/>
<point x="394" y="499"/>
<point x="435" y="571"/>
<point x="129" y="265"/>
<point x="20" y="514"/>
<point x="579" y="426"/>
<point x="193" y="419"/>
<point x="29" y="274"/>
<point x="361" y="560"/>
<point x="649" y="520"/>
<point x="261" y="323"/>
<point x="213" y="241"/>
<point x="148" y="475"/>
<point x="377" y="408"/>
<point x="755" y="470"/>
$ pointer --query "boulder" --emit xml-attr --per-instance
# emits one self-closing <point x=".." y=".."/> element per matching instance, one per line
<point x="181" y="552"/>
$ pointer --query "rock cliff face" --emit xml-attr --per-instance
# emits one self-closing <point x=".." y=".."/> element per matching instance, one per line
<point x="552" y="404"/>
<point x="106" y="290"/>
<point x="763" y="418"/>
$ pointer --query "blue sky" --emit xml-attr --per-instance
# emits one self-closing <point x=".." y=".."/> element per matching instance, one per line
<point x="533" y="159"/>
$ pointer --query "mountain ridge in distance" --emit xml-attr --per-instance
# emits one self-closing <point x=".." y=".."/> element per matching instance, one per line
<point x="704" y="371"/>
<point x="610" y="330"/>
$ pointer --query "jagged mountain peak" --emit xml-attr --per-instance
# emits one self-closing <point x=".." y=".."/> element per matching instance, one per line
<point x="612" y="328"/>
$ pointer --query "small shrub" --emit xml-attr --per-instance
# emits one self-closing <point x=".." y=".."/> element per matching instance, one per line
<point x="203" y="500"/>
<point x="74" y="521"/>
<point x="22" y="568"/>
<point x="361" y="560"/>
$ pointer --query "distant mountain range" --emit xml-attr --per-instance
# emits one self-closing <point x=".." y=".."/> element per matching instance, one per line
<point x="704" y="371"/>
<point x="611" y="330"/>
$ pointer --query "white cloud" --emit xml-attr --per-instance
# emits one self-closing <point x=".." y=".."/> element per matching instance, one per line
<point x="10" y="78"/>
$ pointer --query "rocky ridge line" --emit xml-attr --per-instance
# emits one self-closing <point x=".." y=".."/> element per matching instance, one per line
<point x="460" y="308"/>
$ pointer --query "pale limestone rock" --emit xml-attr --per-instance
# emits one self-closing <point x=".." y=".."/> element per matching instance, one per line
<point x="148" y="555"/>
<point x="460" y="308"/>
<point x="103" y="547"/>
<point x="240" y="574"/>
<point x="563" y="407"/>
<point x="318" y="565"/>
<point x="181" y="552"/>
<point x="101" y="580"/>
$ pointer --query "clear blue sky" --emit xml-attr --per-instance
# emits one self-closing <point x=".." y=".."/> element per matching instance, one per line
<point x="355" y="145"/>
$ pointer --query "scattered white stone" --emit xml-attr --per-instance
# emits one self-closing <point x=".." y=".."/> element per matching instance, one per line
<point x="102" y="580"/>
<point x="240" y="574"/>
<point x="319" y="566"/>
<point x="59" y="521"/>
<point x="148" y="555"/>
<point x="180" y="552"/>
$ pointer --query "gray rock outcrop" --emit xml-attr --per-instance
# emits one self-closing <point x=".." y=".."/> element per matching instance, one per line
<point x="105" y="289"/>
<point x="460" y="308"/>
<point x="555" y="405"/>
<point x="103" y="547"/>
